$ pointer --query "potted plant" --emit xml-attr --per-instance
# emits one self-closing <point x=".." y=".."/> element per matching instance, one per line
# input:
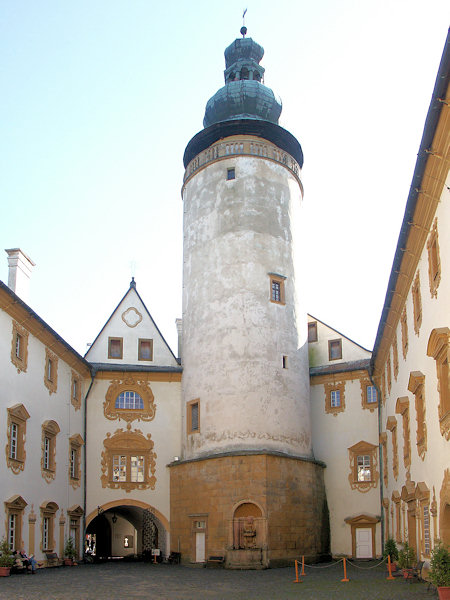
<point x="6" y="558"/>
<point x="406" y="559"/>
<point x="69" y="552"/>
<point x="390" y="549"/>
<point x="440" y="569"/>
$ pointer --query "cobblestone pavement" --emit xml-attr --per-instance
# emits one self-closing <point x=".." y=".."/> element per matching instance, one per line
<point x="133" y="581"/>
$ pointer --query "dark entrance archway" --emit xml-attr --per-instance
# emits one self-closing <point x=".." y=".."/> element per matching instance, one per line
<point x="123" y="530"/>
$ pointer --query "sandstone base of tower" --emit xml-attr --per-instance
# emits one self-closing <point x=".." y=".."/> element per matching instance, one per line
<point x="253" y="510"/>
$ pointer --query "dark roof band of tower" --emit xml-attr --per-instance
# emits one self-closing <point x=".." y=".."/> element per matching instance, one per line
<point x="244" y="105"/>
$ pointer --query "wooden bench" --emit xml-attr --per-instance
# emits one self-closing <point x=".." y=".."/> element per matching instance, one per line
<point x="215" y="561"/>
<point x="174" y="558"/>
<point x="415" y="573"/>
<point x="53" y="560"/>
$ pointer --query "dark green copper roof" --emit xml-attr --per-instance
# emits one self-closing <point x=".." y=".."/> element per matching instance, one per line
<point x="243" y="95"/>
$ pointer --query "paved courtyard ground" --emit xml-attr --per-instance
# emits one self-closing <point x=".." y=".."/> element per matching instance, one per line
<point x="133" y="581"/>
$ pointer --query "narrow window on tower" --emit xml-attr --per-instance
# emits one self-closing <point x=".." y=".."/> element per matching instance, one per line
<point x="285" y="362"/>
<point x="193" y="416"/>
<point x="277" y="288"/>
<point x="231" y="173"/>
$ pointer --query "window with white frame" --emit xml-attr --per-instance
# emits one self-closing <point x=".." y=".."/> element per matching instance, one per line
<point x="364" y="467"/>
<point x="45" y="532"/>
<point x="12" y="521"/>
<point x="14" y="433"/>
<point x="335" y="398"/>
<point x="129" y="400"/>
<point x="128" y="468"/>
<point x="371" y="392"/>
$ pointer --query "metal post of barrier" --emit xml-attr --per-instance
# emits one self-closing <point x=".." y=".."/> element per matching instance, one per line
<point x="345" y="571"/>
<point x="390" y="569"/>
<point x="302" y="574"/>
<point x="297" y="580"/>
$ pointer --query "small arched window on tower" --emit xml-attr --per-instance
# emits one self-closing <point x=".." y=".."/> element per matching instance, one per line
<point x="256" y="76"/>
<point x="244" y="73"/>
<point x="232" y="76"/>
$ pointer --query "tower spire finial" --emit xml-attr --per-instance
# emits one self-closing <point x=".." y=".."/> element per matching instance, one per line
<point x="243" y="28"/>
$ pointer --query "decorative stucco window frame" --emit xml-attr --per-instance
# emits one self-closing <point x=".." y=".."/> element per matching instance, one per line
<point x="75" y="390"/>
<point x="19" y="347"/>
<point x="50" y="430"/>
<point x="331" y="387"/>
<point x="396" y="499"/>
<point x="417" y="304"/>
<point x="404" y="329"/>
<point x="365" y="449"/>
<point x="391" y="425"/>
<point x="48" y="511"/>
<point x="75" y="514"/>
<point x="15" y="507"/>
<point x="423" y="499"/>
<point x="388" y="373"/>
<point x="128" y="443"/>
<point x="387" y="528"/>
<point x="133" y="383"/>
<point x="439" y="349"/>
<point x="416" y="385"/>
<point x="76" y="442"/>
<point x="434" y="261"/>
<point x="383" y="444"/>
<point x="51" y="371"/>
<point x="395" y="357"/>
<point x="402" y="408"/>
<point x="18" y="416"/>
<point x="366" y="383"/>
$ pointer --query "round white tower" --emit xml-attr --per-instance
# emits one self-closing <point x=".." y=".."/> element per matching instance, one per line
<point x="245" y="356"/>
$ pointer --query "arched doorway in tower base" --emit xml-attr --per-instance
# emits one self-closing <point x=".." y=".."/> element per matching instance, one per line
<point x="126" y="528"/>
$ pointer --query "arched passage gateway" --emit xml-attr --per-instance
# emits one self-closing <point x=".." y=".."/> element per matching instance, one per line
<point x="125" y="527"/>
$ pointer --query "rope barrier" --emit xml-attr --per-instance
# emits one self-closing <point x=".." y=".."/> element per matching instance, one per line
<point x="325" y="566"/>
<point x="366" y="568"/>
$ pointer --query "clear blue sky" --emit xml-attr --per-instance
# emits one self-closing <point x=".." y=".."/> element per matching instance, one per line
<point x="100" y="99"/>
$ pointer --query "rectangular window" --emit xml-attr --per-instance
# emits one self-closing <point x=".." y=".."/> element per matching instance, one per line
<point x="14" y="431"/>
<point x="231" y="173"/>
<point x="19" y="346"/>
<point x="285" y="362"/>
<point x="277" y="288"/>
<point x="335" y="396"/>
<point x="334" y="349"/>
<point x="45" y="532"/>
<point x="75" y="389"/>
<point x="137" y="468"/>
<point x="115" y="347"/>
<point x="50" y="369"/>
<point x="364" y="472"/>
<point x="73" y="463"/>
<point x="371" y="392"/>
<point x="312" y="332"/>
<point x="426" y="531"/>
<point x="12" y="522"/>
<point x="193" y="416"/>
<point x="119" y="468"/>
<point x="145" y="349"/>
<point x="46" y="464"/>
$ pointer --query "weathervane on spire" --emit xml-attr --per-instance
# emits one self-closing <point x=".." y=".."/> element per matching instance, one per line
<point x="243" y="28"/>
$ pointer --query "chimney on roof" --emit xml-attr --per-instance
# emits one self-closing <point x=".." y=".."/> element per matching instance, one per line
<point x="20" y="266"/>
